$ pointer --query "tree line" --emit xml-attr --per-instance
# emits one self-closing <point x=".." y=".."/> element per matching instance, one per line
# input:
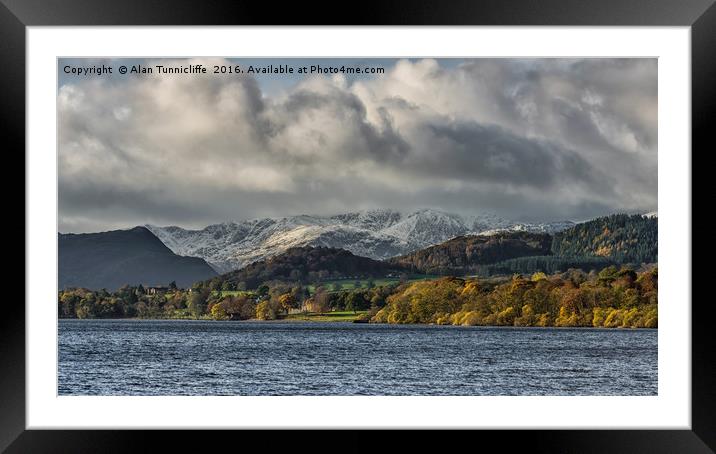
<point x="270" y="301"/>
<point x="549" y="264"/>
<point x="612" y="297"/>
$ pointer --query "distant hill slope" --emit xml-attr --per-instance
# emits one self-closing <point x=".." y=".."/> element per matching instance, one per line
<point x="620" y="237"/>
<point x="112" y="259"/>
<point x="466" y="253"/>
<point x="310" y="264"/>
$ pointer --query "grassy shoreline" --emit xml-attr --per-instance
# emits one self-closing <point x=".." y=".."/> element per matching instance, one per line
<point x="346" y="317"/>
<point x="335" y="316"/>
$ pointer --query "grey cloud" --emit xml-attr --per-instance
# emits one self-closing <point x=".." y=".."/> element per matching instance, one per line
<point x="488" y="153"/>
<point x="379" y="142"/>
<point x="529" y="139"/>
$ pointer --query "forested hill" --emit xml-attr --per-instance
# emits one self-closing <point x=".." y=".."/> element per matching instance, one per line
<point x="595" y="244"/>
<point x="620" y="237"/>
<point x="466" y="253"/>
<point x="308" y="264"/>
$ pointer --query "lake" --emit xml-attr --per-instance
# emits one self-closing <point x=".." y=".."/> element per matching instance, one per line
<point x="178" y="357"/>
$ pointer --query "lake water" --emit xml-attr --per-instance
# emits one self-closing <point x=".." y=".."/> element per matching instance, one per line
<point x="173" y="357"/>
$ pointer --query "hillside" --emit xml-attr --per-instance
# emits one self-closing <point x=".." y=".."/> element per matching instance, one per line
<point x="619" y="237"/>
<point x="308" y="264"/>
<point x="590" y="245"/>
<point x="466" y="253"/>
<point x="112" y="259"/>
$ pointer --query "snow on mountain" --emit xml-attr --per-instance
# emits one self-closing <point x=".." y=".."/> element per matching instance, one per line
<point x="378" y="234"/>
<point x="651" y="214"/>
<point x="427" y="227"/>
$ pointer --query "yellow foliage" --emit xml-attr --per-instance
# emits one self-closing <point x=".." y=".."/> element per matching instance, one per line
<point x="470" y="319"/>
<point x="287" y="301"/>
<point x="470" y="289"/>
<point x="218" y="312"/>
<point x="264" y="311"/>
<point x="381" y="316"/>
<point x="566" y="318"/>
<point x="543" y="320"/>
<point x="630" y="319"/>
<point x="527" y="318"/>
<point x="522" y="302"/>
<point x="506" y="317"/>
<point x="614" y="318"/>
<point x="599" y="317"/>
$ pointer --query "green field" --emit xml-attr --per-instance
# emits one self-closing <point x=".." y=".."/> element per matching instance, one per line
<point x="235" y="292"/>
<point x="337" y="316"/>
<point x="350" y="284"/>
<point x="340" y="285"/>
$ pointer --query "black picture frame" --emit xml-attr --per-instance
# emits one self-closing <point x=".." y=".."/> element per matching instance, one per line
<point x="700" y="15"/>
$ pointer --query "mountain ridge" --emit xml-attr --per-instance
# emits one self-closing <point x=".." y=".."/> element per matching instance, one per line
<point x="378" y="234"/>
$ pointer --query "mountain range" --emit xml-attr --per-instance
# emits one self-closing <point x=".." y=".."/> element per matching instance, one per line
<point x="591" y="245"/>
<point x="376" y="234"/>
<point x="366" y="243"/>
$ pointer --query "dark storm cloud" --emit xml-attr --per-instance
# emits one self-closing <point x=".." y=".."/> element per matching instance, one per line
<point x="529" y="139"/>
<point x="491" y="154"/>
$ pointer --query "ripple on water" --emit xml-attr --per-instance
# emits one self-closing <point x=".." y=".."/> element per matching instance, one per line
<point x="141" y="357"/>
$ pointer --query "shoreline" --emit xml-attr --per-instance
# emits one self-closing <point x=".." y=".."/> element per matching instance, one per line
<point x="279" y="321"/>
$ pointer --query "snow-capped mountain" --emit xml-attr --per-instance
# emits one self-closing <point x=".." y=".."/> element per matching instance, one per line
<point x="378" y="234"/>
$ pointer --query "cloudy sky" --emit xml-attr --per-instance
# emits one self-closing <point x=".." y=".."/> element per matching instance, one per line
<point x="532" y="140"/>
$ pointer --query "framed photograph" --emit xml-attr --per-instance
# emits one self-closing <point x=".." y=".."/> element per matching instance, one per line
<point x="425" y="217"/>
